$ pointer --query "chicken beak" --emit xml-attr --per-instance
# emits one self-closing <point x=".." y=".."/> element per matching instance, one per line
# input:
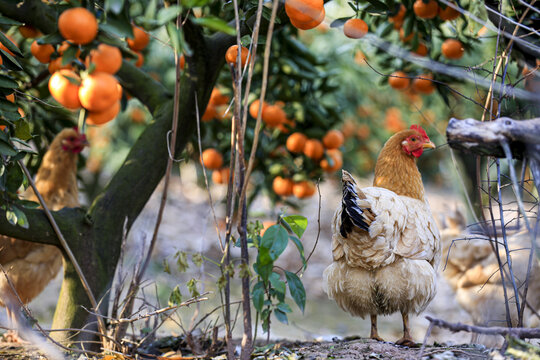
<point x="428" y="145"/>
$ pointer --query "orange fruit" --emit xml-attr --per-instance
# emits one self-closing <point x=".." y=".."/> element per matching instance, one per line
<point x="282" y="186"/>
<point x="283" y="126"/>
<point x="56" y="64"/>
<point x="355" y="28"/>
<point x="63" y="90"/>
<point x="303" y="11"/>
<point x="337" y="161"/>
<point x="212" y="159"/>
<point x="307" y="25"/>
<point x="425" y="85"/>
<point x="449" y="13"/>
<point x="398" y="80"/>
<point x="99" y="91"/>
<point x="426" y="10"/>
<point x="296" y="142"/>
<point x="78" y="25"/>
<point x="42" y="52"/>
<point x="452" y="49"/>
<point x="140" y="39"/>
<point x="363" y="131"/>
<point x="405" y="38"/>
<point x="105" y="58"/>
<point x="28" y="31"/>
<point x="421" y="50"/>
<point x="102" y="117"/>
<point x="399" y="16"/>
<point x="137" y="116"/>
<point x="273" y="116"/>
<point x="393" y="121"/>
<point x="232" y="55"/>
<point x="333" y="139"/>
<point x="221" y="176"/>
<point x="217" y="98"/>
<point x="3" y="47"/>
<point x="11" y="97"/>
<point x="182" y="62"/>
<point x="254" y="108"/>
<point x="140" y="59"/>
<point x="314" y="149"/>
<point x="304" y="189"/>
<point x="210" y="113"/>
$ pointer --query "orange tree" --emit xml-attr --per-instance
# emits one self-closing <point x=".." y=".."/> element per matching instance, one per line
<point x="64" y="77"/>
<point x="296" y="145"/>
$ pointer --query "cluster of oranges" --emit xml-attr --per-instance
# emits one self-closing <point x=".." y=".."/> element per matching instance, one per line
<point x="96" y="89"/>
<point x="325" y="153"/>
<point x="451" y="48"/>
<point x="421" y="84"/>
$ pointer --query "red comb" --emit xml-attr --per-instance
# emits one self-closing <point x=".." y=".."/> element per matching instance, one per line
<point x="420" y="130"/>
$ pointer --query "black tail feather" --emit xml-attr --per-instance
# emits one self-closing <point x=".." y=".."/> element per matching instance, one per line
<point x="351" y="215"/>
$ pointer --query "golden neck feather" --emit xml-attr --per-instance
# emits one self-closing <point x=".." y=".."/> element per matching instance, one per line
<point x="397" y="171"/>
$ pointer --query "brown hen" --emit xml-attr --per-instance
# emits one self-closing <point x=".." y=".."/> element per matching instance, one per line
<point x="31" y="266"/>
<point x="386" y="246"/>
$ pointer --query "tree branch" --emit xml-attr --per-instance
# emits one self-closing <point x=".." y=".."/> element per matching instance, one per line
<point x="70" y="220"/>
<point x="484" y="138"/>
<point x="142" y="86"/>
<point x="35" y="12"/>
<point x="522" y="333"/>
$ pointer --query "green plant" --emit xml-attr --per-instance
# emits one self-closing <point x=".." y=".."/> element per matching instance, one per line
<point x="269" y="291"/>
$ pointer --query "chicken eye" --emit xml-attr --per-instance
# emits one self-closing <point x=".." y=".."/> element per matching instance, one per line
<point x="413" y="139"/>
<point x="71" y="138"/>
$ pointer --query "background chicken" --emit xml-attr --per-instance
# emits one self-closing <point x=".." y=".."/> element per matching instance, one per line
<point x="31" y="265"/>
<point x="386" y="246"/>
<point x="471" y="268"/>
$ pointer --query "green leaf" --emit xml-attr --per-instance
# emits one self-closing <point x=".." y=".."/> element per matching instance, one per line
<point x="53" y="38"/>
<point x="7" y="149"/>
<point x="297" y="290"/>
<point x="118" y="25"/>
<point x="9" y="45"/>
<point x="279" y="288"/>
<point x="69" y="55"/>
<point x="14" y="178"/>
<point x="150" y="11"/>
<point x="378" y="5"/>
<point x="9" y="61"/>
<point x="174" y="35"/>
<point x="192" y="287"/>
<point x="22" y="221"/>
<point x="181" y="261"/>
<point x="8" y="82"/>
<point x="216" y="24"/>
<point x="114" y="6"/>
<point x="193" y="3"/>
<point x="28" y="204"/>
<point x="167" y="14"/>
<point x="281" y="316"/>
<point x="264" y="270"/>
<point x="7" y="21"/>
<point x="298" y="224"/>
<point x="339" y="22"/>
<point x="385" y="29"/>
<point x="300" y="248"/>
<point x="11" y="217"/>
<point x="197" y="259"/>
<point x="176" y="296"/>
<point x="257" y="296"/>
<point x="275" y="239"/>
<point x="22" y="130"/>
<point x="284" y="307"/>
<point x="166" y="267"/>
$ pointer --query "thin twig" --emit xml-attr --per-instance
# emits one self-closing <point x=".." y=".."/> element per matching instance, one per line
<point x="65" y="246"/>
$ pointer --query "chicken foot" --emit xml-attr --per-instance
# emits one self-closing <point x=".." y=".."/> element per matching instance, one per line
<point x="374" y="334"/>
<point x="407" y="339"/>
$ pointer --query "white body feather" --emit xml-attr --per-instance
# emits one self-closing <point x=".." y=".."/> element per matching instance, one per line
<point x="391" y="268"/>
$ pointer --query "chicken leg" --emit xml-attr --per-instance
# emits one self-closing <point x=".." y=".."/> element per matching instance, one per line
<point x="407" y="339"/>
<point x="374" y="334"/>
